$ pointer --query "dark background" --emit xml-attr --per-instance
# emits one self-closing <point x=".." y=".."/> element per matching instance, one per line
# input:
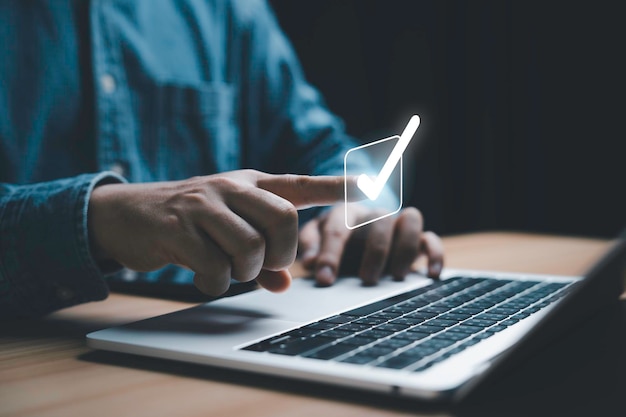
<point x="521" y="103"/>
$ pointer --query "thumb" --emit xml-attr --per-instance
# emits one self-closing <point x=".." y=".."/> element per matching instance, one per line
<point x="274" y="281"/>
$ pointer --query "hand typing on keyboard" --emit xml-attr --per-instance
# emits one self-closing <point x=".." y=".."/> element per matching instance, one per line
<point x="389" y="245"/>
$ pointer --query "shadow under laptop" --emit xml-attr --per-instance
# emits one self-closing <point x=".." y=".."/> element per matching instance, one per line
<point x="581" y="373"/>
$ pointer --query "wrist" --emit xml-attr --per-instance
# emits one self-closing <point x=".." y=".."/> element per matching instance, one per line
<point x="96" y="223"/>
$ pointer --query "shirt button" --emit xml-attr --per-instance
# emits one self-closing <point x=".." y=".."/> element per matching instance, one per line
<point x="118" y="168"/>
<point x="129" y="275"/>
<point x="107" y="82"/>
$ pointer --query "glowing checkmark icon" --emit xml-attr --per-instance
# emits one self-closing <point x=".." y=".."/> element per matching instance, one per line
<point x="373" y="187"/>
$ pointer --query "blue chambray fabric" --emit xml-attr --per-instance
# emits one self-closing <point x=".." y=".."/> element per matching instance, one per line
<point x="118" y="90"/>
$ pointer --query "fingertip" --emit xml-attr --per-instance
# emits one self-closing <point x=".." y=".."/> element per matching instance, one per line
<point x="204" y="285"/>
<point x="325" y="276"/>
<point x="274" y="281"/>
<point x="400" y="274"/>
<point x="434" y="269"/>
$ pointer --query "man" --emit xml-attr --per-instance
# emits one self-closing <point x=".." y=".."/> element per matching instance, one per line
<point x="112" y="115"/>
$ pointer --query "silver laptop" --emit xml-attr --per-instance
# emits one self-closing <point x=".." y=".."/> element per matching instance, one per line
<point x="417" y="338"/>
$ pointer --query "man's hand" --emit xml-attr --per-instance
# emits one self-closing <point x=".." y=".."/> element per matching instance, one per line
<point x="389" y="245"/>
<point x="240" y="224"/>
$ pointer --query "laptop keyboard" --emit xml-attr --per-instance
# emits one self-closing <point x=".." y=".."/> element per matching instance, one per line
<point x="419" y="328"/>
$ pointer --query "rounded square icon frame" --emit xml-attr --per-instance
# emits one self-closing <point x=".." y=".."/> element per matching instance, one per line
<point x="345" y="184"/>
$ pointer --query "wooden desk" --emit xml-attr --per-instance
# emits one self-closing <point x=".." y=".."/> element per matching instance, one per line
<point x="46" y="369"/>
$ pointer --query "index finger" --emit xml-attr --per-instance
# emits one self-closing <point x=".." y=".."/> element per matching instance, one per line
<point x="305" y="191"/>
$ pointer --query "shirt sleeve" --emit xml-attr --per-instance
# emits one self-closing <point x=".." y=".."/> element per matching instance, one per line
<point x="284" y="110"/>
<point x="45" y="261"/>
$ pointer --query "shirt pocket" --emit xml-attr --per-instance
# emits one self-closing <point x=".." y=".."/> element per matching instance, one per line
<point x="197" y="131"/>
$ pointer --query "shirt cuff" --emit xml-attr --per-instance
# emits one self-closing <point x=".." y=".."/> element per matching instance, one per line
<point x="46" y="259"/>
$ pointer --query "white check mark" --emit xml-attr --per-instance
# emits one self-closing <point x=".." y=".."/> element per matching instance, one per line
<point x="372" y="188"/>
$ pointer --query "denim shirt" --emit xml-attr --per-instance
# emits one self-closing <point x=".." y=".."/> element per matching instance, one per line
<point x="117" y="90"/>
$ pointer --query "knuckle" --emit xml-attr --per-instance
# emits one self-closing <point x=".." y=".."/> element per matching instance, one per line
<point x="329" y="259"/>
<point x="335" y="233"/>
<point x="285" y="217"/>
<point x="245" y="274"/>
<point x="175" y="226"/>
<point x="227" y="183"/>
<point x="377" y="249"/>
<point x="194" y="199"/>
<point x="253" y="243"/>
<point x="289" y="214"/>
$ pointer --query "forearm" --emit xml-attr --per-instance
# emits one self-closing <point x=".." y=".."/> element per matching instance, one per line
<point x="46" y="262"/>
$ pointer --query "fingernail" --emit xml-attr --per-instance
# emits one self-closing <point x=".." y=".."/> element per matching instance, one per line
<point x="325" y="276"/>
<point x="435" y="269"/>
<point x="399" y="276"/>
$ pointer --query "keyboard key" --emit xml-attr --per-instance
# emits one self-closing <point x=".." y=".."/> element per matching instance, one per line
<point x="492" y="316"/>
<point x="331" y="351"/>
<point x="425" y="328"/>
<point x="378" y="351"/>
<point x="301" y="346"/>
<point x="404" y="321"/>
<point x="393" y="327"/>
<point x="376" y="334"/>
<point x="455" y="336"/>
<point x="457" y="317"/>
<point x="420" y="351"/>
<point x="399" y="362"/>
<point x="359" y="340"/>
<point x="359" y="358"/>
<point x="353" y="327"/>
<point x="498" y="328"/>
<point x="509" y="322"/>
<point x="399" y="309"/>
<point x="412" y="334"/>
<point x="421" y="315"/>
<point x="441" y="322"/>
<point x="462" y="328"/>
<point x="438" y="342"/>
<point x="320" y="326"/>
<point x="479" y="322"/>
<point x="302" y="332"/>
<point x="434" y="309"/>
<point x="338" y="319"/>
<point x="468" y="343"/>
<point x="337" y="334"/>
<point x="386" y="315"/>
<point x="372" y="321"/>
<point x="395" y="342"/>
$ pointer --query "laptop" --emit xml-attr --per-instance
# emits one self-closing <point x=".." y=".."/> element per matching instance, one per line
<point x="425" y="339"/>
